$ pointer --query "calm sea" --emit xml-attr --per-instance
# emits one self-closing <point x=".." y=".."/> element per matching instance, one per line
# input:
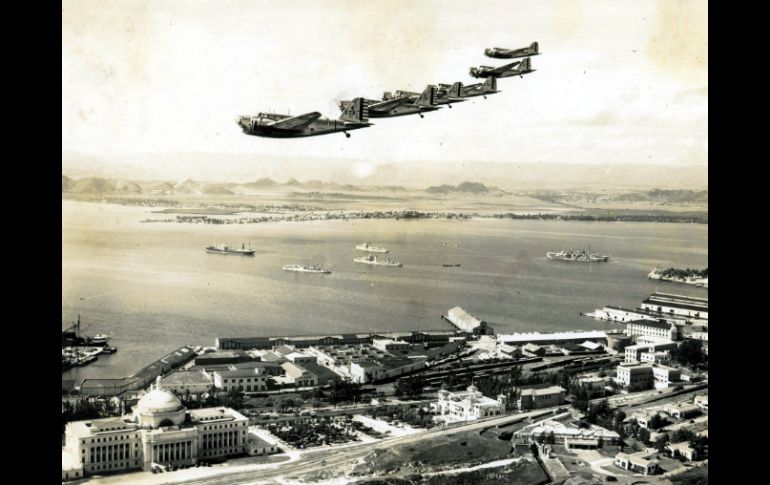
<point x="153" y="288"/>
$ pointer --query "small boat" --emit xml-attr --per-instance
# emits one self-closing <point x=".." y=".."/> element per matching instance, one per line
<point x="372" y="249"/>
<point x="306" y="268"/>
<point x="451" y="265"/>
<point x="224" y="249"/>
<point x="110" y="350"/>
<point x="372" y="260"/>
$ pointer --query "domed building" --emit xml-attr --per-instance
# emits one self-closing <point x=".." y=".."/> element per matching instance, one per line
<point x="159" y="431"/>
<point x="159" y="408"/>
<point x="467" y="406"/>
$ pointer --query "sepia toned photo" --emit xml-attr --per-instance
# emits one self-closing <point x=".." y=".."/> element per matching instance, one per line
<point x="384" y="243"/>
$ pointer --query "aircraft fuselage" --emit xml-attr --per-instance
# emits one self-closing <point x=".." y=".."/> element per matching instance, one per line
<point x="321" y="126"/>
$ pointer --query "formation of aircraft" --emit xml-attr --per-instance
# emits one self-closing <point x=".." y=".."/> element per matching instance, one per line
<point x="355" y="113"/>
<point x="500" y="53"/>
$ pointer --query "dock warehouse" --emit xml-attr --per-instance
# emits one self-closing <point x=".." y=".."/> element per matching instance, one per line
<point x="467" y="322"/>
<point x="553" y="338"/>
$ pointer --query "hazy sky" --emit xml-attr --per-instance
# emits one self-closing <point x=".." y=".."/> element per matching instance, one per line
<point x="617" y="81"/>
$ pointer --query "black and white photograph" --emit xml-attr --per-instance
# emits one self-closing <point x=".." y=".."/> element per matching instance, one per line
<point x="384" y="243"/>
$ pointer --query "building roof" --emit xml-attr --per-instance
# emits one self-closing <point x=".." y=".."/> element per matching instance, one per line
<point x="158" y="401"/>
<point x="534" y="337"/>
<point x="185" y="377"/>
<point x="542" y="391"/>
<point x="212" y="414"/>
<point x="650" y="323"/>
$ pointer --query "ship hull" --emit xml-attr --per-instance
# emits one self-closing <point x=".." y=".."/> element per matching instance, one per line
<point x="232" y="252"/>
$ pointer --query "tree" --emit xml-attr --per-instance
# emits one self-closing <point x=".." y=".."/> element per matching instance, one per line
<point x="689" y="353"/>
<point x="550" y="439"/>
<point x="660" y="443"/>
<point x="643" y="435"/>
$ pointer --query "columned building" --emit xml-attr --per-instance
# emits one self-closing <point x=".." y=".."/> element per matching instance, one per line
<point x="159" y="431"/>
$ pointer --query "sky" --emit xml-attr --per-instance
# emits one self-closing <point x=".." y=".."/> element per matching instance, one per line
<point x="618" y="82"/>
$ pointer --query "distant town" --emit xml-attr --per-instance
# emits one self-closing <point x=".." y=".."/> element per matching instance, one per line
<point x="542" y="407"/>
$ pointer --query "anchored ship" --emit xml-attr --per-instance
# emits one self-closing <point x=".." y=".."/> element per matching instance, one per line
<point x="305" y="268"/>
<point x="372" y="260"/>
<point x="584" y="256"/>
<point x="372" y="249"/>
<point x="223" y="249"/>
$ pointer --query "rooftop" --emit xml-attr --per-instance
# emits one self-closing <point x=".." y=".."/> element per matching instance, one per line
<point x="520" y="338"/>
<point x="185" y="377"/>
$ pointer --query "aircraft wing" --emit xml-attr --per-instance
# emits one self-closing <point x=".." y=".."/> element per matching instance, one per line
<point x="296" y="122"/>
<point x="502" y="69"/>
<point x="389" y="104"/>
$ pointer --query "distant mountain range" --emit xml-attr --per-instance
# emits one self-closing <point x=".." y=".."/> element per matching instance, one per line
<point x="465" y="187"/>
<point x="100" y="185"/>
<point x="508" y="175"/>
<point x="669" y="196"/>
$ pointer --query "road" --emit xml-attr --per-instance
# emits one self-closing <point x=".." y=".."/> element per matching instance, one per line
<point x="304" y="463"/>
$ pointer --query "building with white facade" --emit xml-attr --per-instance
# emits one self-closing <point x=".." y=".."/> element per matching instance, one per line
<point x="159" y="431"/>
<point x="652" y="328"/>
<point x="564" y="432"/>
<point x="638" y="462"/>
<point x="702" y="402"/>
<point x="299" y="376"/>
<point x="467" y="322"/>
<point x="633" y="353"/>
<point x="389" y="344"/>
<point x="663" y="375"/>
<point x="635" y="377"/>
<point x="660" y="357"/>
<point x="181" y="382"/>
<point x="467" y="406"/>
<point x="250" y="379"/>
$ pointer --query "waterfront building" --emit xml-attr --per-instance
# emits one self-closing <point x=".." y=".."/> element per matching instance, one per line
<point x="625" y="315"/>
<point x="223" y="357"/>
<point x="635" y="377"/>
<point x="467" y="406"/>
<point x="680" y="305"/>
<point x="467" y="322"/>
<point x="555" y="338"/>
<point x="158" y="431"/>
<point x="538" y="398"/>
<point x="652" y="328"/>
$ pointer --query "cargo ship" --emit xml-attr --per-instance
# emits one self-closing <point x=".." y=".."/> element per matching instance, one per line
<point x="372" y="260"/>
<point x="305" y="268"/>
<point x="224" y="249"/>
<point x="583" y="256"/>
<point x="372" y="249"/>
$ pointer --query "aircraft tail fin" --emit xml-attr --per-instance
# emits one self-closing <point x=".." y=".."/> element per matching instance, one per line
<point x="355" y="111"/>
<point x="456" y="90"/>
<point x="428" y="97"/>
<point x="535" y="48"/>
<point x="526" y="64"/>
<point x="491" y="83"/>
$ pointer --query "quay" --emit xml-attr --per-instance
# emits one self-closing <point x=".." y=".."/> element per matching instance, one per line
<point x="139" y="380"/>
